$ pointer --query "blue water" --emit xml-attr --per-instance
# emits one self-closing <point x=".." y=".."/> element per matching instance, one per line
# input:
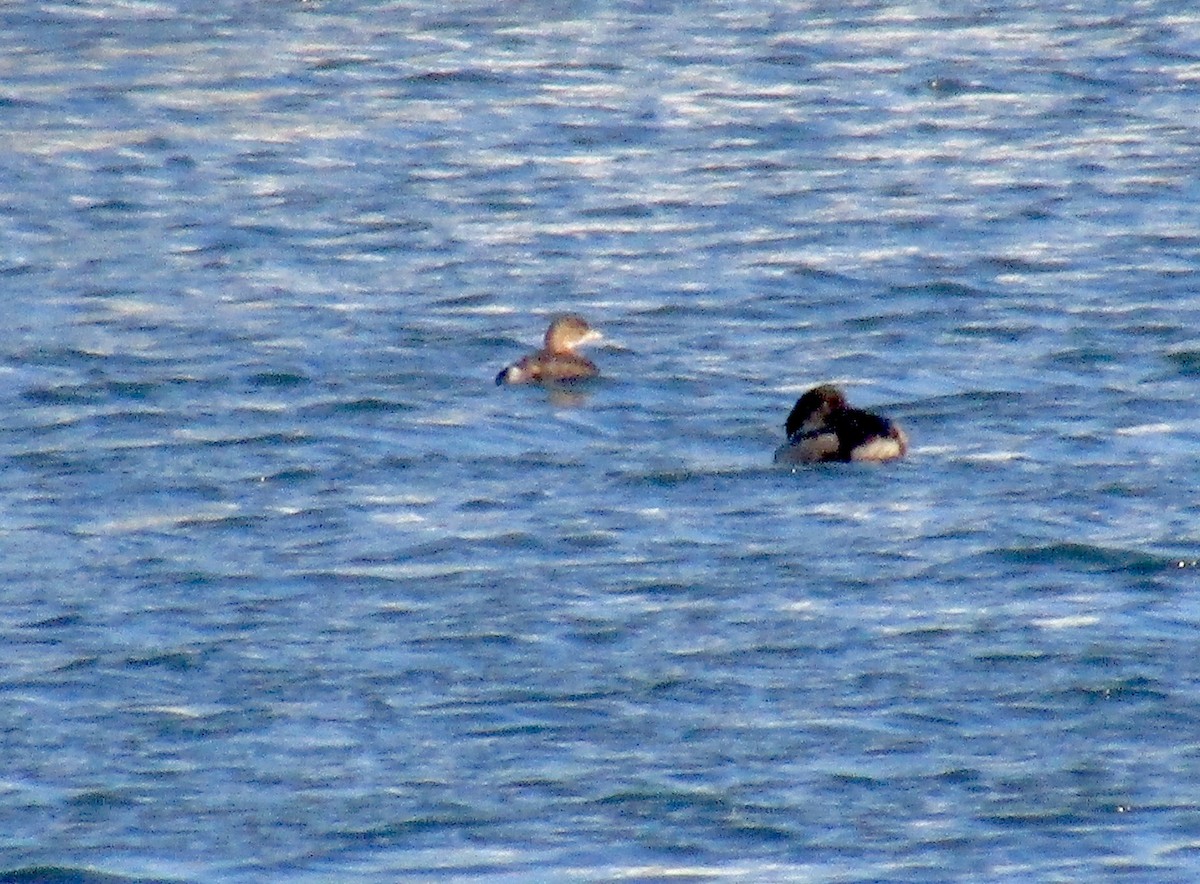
<point x="292" y="592"/>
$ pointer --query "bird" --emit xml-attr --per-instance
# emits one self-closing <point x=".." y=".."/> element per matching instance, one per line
<point x="557" y="361"/>
<point x="823" y="427"/>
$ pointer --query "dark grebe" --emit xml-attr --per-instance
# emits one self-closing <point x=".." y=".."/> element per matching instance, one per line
<point x="822" y="427"/>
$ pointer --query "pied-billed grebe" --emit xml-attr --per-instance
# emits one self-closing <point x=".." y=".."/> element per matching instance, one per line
<point x="557" y="361"/>
<point x="823" y="427"/>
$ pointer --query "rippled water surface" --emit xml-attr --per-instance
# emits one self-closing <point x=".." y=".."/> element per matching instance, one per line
<point x="292" y="592"/>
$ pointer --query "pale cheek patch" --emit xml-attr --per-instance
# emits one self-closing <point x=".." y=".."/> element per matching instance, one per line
<point x="808" y="449"/>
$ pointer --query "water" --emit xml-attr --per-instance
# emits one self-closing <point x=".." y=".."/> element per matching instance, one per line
<point x="292" y="592"/>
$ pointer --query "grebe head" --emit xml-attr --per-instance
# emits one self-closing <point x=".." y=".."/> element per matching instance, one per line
<point x="568" y="332"/>
<point x="813" y="409"/>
